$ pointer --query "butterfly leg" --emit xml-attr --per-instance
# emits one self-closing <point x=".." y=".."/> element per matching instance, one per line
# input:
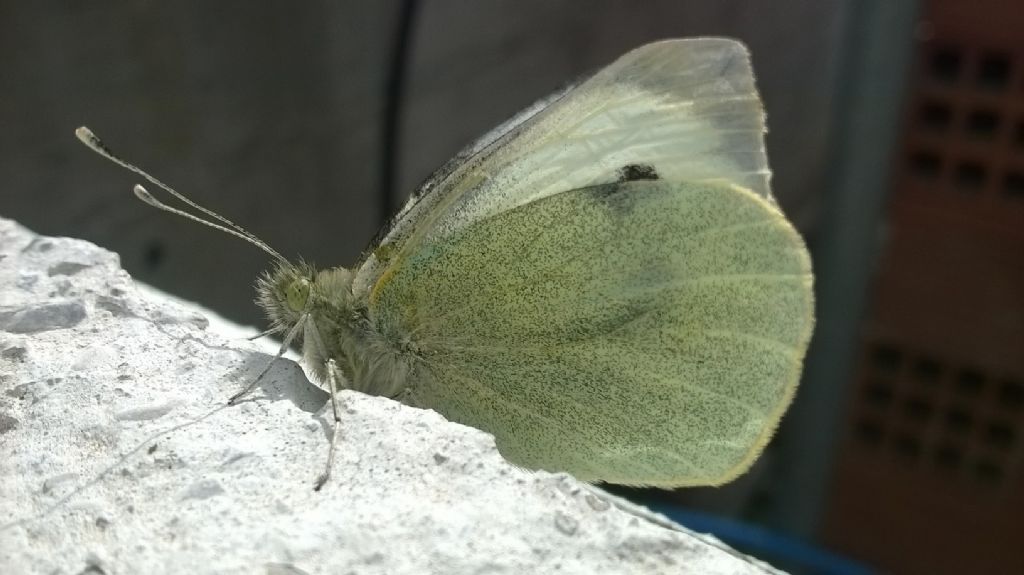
<point x="332" y="378"/>
<point x="284" y="347"/>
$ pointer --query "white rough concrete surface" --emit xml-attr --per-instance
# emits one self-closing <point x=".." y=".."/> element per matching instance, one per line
<point x="118" y="455"/>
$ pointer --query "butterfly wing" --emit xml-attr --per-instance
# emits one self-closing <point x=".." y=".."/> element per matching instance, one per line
<point x="646" y="332"/>
<point x="686" y="109"/>
<point x="605" y="283"/>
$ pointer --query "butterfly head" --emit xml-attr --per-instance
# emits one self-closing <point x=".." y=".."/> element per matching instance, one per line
<point x="289" y="291"/>
<point x="285" y="293"/>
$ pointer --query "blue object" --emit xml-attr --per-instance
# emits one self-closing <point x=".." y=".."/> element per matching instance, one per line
<point x="805" y="557"/>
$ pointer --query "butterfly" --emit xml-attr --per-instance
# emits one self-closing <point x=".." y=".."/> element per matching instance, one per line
<point x="604" y="283"/>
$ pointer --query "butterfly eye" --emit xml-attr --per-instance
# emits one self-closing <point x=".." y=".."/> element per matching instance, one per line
<point x="296" y="294"/>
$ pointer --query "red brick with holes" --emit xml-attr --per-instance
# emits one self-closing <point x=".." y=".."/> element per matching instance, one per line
<point x="930" y="479"/>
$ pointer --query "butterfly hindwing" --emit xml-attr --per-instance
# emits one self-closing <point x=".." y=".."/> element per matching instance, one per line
<point x="644" y="332"/>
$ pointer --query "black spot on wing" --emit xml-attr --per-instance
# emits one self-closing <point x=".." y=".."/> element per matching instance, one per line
<point x="633" y="172"/>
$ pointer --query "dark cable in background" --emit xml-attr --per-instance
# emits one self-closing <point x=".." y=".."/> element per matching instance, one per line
<point x="393" y="92"/>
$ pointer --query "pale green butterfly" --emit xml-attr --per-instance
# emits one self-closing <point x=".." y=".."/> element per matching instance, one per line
<point x="604" y="283"/>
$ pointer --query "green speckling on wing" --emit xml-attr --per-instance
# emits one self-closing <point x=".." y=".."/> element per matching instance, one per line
<point x="643" y="333"/>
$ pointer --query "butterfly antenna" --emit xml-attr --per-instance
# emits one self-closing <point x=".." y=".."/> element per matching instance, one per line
<point x="90" y="139"/>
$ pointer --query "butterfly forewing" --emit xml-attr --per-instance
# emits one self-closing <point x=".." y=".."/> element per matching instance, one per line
<point x="687" y="110"/>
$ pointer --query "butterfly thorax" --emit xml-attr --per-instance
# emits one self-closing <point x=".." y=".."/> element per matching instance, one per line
<point x="337" y="326"/>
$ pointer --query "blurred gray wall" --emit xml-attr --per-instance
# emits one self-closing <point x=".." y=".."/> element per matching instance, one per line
<point x="271" y="112"/>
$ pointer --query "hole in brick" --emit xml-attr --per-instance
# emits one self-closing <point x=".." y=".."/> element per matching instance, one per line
<point x="982" y="123"/>
<point x="959" y="421"/>
<point x="869" y="432"/>
<point x="917" y="409"/>
<point x="994" y="70"/>
<point x="1000" y="435"/>
<point x="936" y="116"/>
<point x="988" y="471"/>
<point x="969" y="176"/>
<point x="1011" y="394"/>
<point x="878" y="393"/>
<point x="1013" y="185"/>
<point x="948" y="456"/>
<point x="970" y="382"/>
<point x="927" y="370"/>
<point x="945" y="64"/>
<point x="908" y="445"/>
<point x="886" y="358"/>
<point x="926" y="165"/>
